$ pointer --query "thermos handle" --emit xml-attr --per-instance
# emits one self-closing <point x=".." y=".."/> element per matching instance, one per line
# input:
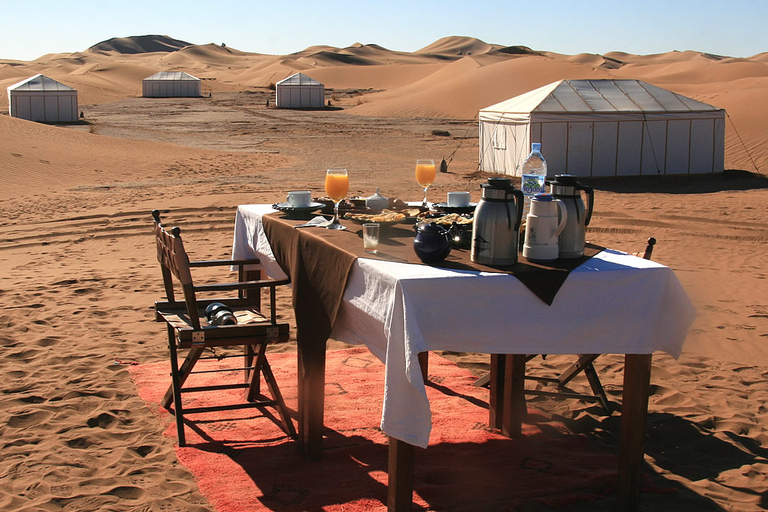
<point x="519" y="200"/>
<point x="563" y="217"/>
<point x="591" y="201"/>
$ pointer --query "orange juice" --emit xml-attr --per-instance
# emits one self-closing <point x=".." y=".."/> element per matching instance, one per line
<point x="336" y="186"/>
<point x="425" y="174"/>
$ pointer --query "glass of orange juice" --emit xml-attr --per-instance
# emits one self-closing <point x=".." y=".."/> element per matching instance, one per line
<point x="336" y="187"/>
<point x="425" y="175"/>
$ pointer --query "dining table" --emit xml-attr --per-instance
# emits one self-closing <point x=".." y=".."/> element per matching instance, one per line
<point x="608" y="302"/>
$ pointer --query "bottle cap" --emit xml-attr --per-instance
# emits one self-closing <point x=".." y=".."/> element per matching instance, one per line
<point x="536" y="146"/>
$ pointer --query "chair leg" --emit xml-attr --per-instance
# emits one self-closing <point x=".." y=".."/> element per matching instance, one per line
<point x="252" y="376"/>
<point x="597" y="387"/>
<point x="175" y="389"/>
<point x="183" y="372"/>
<point x="277" y="396"/>
<point x="254" y="380"/>
<point x="584" y="361"/>
<point x="584" y="364"/>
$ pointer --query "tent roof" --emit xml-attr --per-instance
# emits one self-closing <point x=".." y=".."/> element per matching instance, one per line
<point x="172" y="75"/>
<point x="299" y="79"/>
<point x="39" y="83"/>
<point x="599" y="96"/>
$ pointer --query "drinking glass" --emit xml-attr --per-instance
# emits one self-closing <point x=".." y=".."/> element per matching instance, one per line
<point x="371" y="237"/>
<point x="425" y="175"/>
<point x="336" y="187"/>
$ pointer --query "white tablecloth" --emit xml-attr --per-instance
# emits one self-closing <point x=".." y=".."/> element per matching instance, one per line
<point x="612" y="304"/>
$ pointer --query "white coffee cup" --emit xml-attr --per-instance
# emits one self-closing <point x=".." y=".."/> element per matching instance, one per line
<point x="459" y="199"/>
<point x="299" y="198"/>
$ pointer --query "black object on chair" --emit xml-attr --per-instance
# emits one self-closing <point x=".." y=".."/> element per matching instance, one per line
<point x="231" y="322"/>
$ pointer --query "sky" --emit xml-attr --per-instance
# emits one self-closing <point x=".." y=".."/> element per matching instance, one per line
<point x="736" y="28"/>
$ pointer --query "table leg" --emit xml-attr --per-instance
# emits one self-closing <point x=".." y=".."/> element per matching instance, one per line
<point x="311" y="369"/>
<point x="401" y="469"/>
<point x="424" y="363"/>
<point x="496" y="395"/>
<point x="514" y="395"/>
<point x="634" y="414"/>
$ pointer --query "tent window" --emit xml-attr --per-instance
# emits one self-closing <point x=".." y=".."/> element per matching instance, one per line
<point x="499" y="138"/>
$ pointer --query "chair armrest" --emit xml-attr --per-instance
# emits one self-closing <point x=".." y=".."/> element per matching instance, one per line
<point x="217" y="263"/>
<point x="242" y="285"/>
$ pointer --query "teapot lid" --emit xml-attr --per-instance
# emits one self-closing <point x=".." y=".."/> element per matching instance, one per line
<point x="377" y="196"/>
<point x="431" y="228"/>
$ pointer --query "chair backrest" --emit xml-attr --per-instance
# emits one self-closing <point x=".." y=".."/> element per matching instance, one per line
<point x="649" y="248"/>
<point x="174" y="261"/>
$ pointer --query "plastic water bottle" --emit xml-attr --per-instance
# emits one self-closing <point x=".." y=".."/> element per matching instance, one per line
<point x="534" y="173"/>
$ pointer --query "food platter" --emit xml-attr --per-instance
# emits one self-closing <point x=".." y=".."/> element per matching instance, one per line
<point x="385" y="218"/>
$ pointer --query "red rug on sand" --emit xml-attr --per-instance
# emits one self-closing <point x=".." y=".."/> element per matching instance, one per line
<point x="244" y="462"/>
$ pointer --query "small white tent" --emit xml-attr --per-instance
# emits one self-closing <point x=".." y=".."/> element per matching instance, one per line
<point x="171" y="84"/>
<point x="40" y="98"/>
<point x="603" y="128"/>
<point x="299" y="91"/>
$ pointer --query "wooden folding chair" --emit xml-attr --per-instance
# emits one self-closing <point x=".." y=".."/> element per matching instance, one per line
<point x="584" y="364"/>
<point x="190" y="332"/>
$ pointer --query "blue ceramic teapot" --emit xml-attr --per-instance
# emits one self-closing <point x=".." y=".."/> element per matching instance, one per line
<point x="432" y="242"/>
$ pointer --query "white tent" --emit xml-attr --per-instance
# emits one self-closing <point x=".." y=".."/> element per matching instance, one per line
<point x="170" y="84"/>
<point x="299" y="91"/>
<point x="40" y="98"/>
<point x="603" y="128"/>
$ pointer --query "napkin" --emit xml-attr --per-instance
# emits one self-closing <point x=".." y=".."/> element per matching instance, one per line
<point x="317" y="221"/>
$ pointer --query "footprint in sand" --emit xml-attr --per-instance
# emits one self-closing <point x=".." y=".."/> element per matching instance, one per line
<point x="26" y="419"/>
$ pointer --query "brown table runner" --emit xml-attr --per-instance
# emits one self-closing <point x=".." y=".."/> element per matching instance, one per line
<point x="318" y="262"/>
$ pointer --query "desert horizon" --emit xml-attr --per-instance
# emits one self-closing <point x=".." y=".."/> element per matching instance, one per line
<point x="79" y="269"/>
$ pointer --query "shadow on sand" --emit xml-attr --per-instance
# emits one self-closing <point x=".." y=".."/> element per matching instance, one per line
<point x="689" y="184"/>
<point x="572" y="470"/>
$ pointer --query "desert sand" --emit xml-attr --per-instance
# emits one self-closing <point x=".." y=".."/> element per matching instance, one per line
<point x="79" y="274"/>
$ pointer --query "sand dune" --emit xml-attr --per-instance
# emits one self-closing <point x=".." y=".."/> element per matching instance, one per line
<point x="78" y="263"/>
<point x="139" y="44"/>
<point x="452" y="78"/>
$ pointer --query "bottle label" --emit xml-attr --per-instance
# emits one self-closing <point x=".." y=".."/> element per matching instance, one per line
<point x="533" y="184"/>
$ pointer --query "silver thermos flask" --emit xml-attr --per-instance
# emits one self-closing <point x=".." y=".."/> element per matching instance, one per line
<point x="496" y="227"/>
<point x="573" y="237"/>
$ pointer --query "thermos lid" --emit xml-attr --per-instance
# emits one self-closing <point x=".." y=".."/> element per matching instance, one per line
<point x="498" y="183"/>
<point x="542" y="197"/>
<point x="568" y="180"/>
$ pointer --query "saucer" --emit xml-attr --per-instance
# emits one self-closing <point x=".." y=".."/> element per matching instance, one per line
<point x="456" y="209"/>
<point x="297" y="210"/>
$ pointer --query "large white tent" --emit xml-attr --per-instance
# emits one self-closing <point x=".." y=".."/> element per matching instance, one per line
<point x="40" y="98"/>
<point x="299" y="91"/>
<point x="171" y="84"/>
<point x="603" y="128"/>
